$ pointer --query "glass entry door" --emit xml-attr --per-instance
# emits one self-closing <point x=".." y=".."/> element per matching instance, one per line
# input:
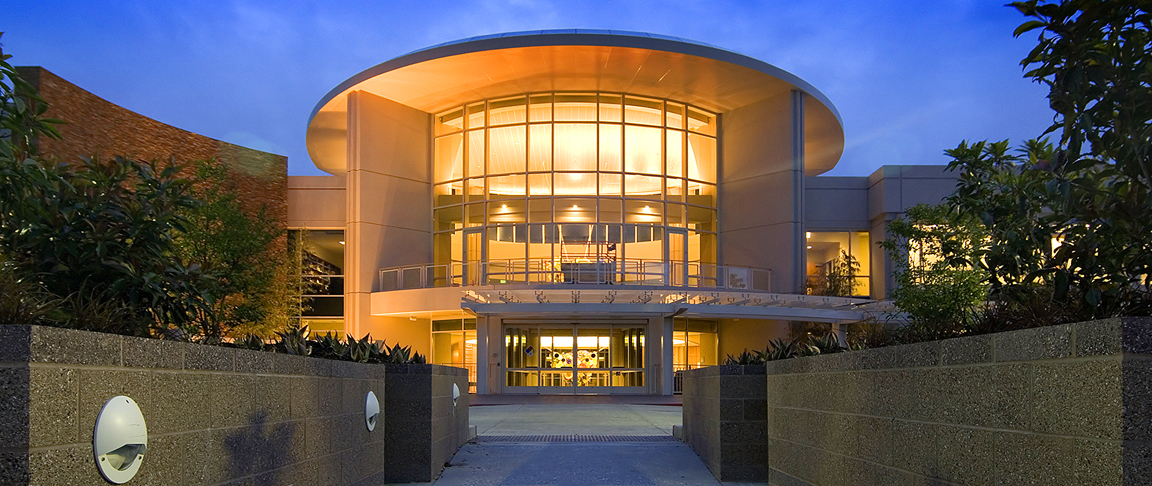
<point x="474" y="256"/>
<point x="574" y="359"/>
<point x="677" y="257"/>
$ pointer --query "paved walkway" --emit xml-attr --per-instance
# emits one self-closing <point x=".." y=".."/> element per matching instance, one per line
<point x="629" y="443"/>
<point x="577" y="418"/>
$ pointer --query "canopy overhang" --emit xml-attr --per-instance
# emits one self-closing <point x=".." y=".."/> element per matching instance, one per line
<point x="441" y="77"/>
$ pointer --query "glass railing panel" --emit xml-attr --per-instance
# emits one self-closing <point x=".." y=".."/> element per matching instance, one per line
<point x="390" y="279"/>
<point x="412" y="278"/>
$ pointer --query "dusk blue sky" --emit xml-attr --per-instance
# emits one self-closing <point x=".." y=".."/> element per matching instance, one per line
<point x="910" y="78"/>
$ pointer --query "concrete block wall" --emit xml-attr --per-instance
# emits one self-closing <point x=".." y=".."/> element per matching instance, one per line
<point x="725" y="420"/>
<point x="424" y="427"/>
<point x="215" y="415"/>
<point x="1069" y="404"/>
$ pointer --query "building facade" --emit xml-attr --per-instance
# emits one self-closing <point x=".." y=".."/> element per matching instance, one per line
<point x="587" y="211"/>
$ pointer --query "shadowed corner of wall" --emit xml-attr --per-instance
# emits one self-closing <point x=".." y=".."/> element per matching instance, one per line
<point x="252" y="162"/>
<point x="258" y="448"/>
<point x="14" y="468"/>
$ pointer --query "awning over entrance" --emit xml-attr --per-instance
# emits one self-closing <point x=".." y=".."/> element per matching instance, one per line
<point x="630" y="301"/>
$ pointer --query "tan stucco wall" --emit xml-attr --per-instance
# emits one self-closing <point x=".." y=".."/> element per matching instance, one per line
<point x="756" y="193"/>
<point x="752" y="334"/>
<point x="400" y="330"/>
<point x="388" y="200"/>
<point x="317" y="202"/>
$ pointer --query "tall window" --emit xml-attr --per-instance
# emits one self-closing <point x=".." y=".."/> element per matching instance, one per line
<point x="545" y="179"/>
<point x="454" y="344"/>
<point x="839" y="263"/>
<point x="321" y="277"/>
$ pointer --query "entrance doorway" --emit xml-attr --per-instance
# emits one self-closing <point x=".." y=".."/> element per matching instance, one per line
<point x="574" y="358"/>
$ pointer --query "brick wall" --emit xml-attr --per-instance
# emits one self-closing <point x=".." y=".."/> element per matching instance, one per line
<point x="96" y="127"/>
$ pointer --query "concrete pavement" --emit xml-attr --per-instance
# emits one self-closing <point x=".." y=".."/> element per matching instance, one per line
<point x="626" y="442"/>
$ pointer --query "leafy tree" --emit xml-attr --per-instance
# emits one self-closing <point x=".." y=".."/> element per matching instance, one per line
<point x="244" y="254"/>
<point x="939" y="282"/>
<point x="96" y="234"/>
<point x="1094" y="57"/>
<point x="1004" y="194"/>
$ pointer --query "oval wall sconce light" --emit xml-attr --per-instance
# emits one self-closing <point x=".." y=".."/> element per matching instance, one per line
<point x="119" y="440"/>
<point x="371" y="411"/>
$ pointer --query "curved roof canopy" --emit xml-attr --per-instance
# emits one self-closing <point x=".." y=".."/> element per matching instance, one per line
<point x="441" y="77"/>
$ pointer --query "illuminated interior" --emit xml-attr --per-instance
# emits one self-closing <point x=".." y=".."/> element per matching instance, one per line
<point x="454" y="344"/>
<point x="694" y="344"/>
<point x="322" y="268"/>
<point x="574" y="357"/>
<point x="825" y="247"/>
<point x="613" y="182"/>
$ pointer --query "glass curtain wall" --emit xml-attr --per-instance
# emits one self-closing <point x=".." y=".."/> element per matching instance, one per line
<point x="574" y="186"/>
<point x="567" y="358"/>
<point x="454" y="344"/>
<point x="827" y="263"/>
<point x="321" y="278"/>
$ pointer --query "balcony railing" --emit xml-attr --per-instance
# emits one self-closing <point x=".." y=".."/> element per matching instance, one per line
<point x="545" y="271"/>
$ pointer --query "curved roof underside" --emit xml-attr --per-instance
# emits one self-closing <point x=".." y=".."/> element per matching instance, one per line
<point x="448" y="75"/>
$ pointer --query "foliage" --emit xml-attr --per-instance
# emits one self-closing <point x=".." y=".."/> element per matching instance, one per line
<point x="777" y="349"/>
<point x="22" y="111"/>
<point x="22" y="299"/>
<point x="295" y="340"/>
<point x="939" y="276"/>
<point x="97" y="234"/>
<point x="103" y="230"/>
<point x="1093" y="189"/>
<point x="839" y="279"/>
<point x="250" y="290"/>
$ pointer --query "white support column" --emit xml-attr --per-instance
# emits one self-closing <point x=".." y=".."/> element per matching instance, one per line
<point x="799" y="242"/>
<point x="355" y="293"/>
<point x="482" y="360"/>
<point x="667" y="372"/>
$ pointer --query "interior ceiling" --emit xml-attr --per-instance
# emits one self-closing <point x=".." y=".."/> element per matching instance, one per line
<point x="438" y="84"/>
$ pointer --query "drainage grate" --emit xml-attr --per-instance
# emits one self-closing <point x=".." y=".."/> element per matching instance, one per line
<point x="575" y="438"/>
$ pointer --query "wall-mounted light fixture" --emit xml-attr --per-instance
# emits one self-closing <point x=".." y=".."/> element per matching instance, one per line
<point x="371" y="411"/>
<point x="119" y="440"/>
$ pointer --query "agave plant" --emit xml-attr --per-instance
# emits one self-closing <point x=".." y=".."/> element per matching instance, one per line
<point x="363" y="350"/>
<point x="252" y="342"/>
<point x="827" y="344"/>
<point x="294" y="340"/>
<point x="746" y="358"/>
<point x="401" y="355"/>
<point x="397" y="354"/>
<point x="329" y="346"/>
<point x="780" y="349"/>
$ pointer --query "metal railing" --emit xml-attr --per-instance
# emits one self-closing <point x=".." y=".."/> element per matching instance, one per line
<point x="546" y="271"/>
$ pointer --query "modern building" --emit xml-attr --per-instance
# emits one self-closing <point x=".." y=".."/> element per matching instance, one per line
<point x="587" y="211"/>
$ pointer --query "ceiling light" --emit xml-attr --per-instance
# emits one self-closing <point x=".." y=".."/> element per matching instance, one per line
<point x="807" y="234"/>
<point x="809" y="247"/>
<point x="341" y="242"/>
<point x="575" y="206"/>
